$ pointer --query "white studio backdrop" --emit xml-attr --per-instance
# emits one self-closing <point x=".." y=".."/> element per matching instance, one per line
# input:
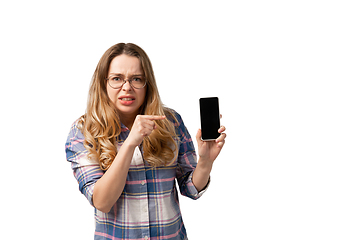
<point x="287" y="76"/>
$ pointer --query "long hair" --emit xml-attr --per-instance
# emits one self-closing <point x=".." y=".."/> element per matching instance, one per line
<point x="101" y="124"/>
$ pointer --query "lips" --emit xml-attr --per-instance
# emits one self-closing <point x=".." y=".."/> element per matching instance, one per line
<point x="126" y="100"/>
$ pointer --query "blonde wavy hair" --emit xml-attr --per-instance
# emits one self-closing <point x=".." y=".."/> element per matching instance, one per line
<point x="101" y="124"/>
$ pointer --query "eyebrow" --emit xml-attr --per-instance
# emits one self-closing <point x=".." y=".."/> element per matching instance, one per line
<point x="132" y="75"/>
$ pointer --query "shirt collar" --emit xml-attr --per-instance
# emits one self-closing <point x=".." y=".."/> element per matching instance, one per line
<point x="124" y="128"/>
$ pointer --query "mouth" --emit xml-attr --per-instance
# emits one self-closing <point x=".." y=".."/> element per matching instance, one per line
<point x="126" y="100"/>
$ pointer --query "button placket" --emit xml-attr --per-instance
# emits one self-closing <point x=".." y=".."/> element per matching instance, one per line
<point x="143" y="201"/>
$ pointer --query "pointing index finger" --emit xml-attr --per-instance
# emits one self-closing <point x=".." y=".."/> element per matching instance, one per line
<point x="154" y="117"/>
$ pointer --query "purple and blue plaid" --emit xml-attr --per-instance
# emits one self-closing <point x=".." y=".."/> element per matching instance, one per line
<point x="148" y="208"/>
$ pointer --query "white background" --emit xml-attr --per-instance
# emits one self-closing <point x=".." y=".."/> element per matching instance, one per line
<point x="287" y="75"/>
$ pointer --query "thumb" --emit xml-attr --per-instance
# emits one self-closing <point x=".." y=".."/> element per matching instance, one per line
<point x="198" y="136"/>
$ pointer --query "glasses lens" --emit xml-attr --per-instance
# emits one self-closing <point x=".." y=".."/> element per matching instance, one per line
<point x="138" y="82"/>
<point x="118" y="82"/>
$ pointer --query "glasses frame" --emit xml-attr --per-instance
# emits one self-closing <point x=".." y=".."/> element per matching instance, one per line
<point x="125" y="80"/>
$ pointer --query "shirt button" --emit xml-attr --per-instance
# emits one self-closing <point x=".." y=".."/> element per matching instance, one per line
<point x="143" y="183"/>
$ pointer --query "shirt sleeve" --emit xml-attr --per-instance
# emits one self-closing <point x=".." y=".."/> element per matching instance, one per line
<point x="186" y="162"/>
<point x="86" y="171"/>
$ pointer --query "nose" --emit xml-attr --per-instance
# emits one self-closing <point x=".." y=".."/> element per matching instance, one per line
<point x="126" y="87"/>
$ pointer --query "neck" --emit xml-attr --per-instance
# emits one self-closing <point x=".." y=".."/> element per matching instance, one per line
<point x="127" y="119"/>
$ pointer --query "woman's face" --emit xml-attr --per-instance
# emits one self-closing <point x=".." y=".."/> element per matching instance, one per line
<point x="127" y="99"/>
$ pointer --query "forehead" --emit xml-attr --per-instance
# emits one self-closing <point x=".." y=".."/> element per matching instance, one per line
<point x="126" y="65"/>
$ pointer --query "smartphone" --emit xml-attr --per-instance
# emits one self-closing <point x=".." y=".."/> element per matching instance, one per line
<point x="210" y="118"/>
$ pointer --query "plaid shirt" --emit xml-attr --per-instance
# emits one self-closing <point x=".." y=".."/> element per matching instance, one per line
<point x="148" y="207"/>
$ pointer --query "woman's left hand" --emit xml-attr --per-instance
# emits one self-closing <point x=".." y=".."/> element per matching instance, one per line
<point x="209" y="150"/>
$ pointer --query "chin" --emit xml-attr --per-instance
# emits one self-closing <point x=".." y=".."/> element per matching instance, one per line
<point x="128" y="110"/>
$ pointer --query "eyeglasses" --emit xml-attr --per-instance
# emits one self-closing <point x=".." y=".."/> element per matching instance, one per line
<point x="117" y="81"/>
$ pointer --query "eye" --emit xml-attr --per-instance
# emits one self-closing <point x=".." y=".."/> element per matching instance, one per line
<point x="136" y="79"/>
<point x="116" y="79"/>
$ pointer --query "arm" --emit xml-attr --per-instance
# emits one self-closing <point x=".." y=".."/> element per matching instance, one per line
<point x="86" y="171"/>
<point x="109" y="187"/>
<point x="193" y="176"/>
<point x="208" y="152"/>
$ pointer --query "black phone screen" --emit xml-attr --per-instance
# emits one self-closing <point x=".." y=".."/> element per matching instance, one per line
<point x="210" y="118"/>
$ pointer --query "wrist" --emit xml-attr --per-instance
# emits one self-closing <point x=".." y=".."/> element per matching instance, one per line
<point x="201" y="174"/>
<point x="205" y="164"/>
<point x="127" y="144"/>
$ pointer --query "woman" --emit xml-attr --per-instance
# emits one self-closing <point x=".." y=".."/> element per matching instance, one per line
<point x="127" y="150"/>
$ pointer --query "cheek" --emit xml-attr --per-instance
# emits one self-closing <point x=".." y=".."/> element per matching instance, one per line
<point x="142" y="95"/>
<point x="112" y="93"/>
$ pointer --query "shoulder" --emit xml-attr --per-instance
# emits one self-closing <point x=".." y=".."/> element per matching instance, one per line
<point x="174" y="117"/>
<point x="178" y="122"/>
<point x="77" y="126"/>
<point x="75" y="137"/>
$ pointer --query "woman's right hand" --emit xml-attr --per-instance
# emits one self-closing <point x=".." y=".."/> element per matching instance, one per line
<point x="142" y="127"/>
<point x="109" y="187"/>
